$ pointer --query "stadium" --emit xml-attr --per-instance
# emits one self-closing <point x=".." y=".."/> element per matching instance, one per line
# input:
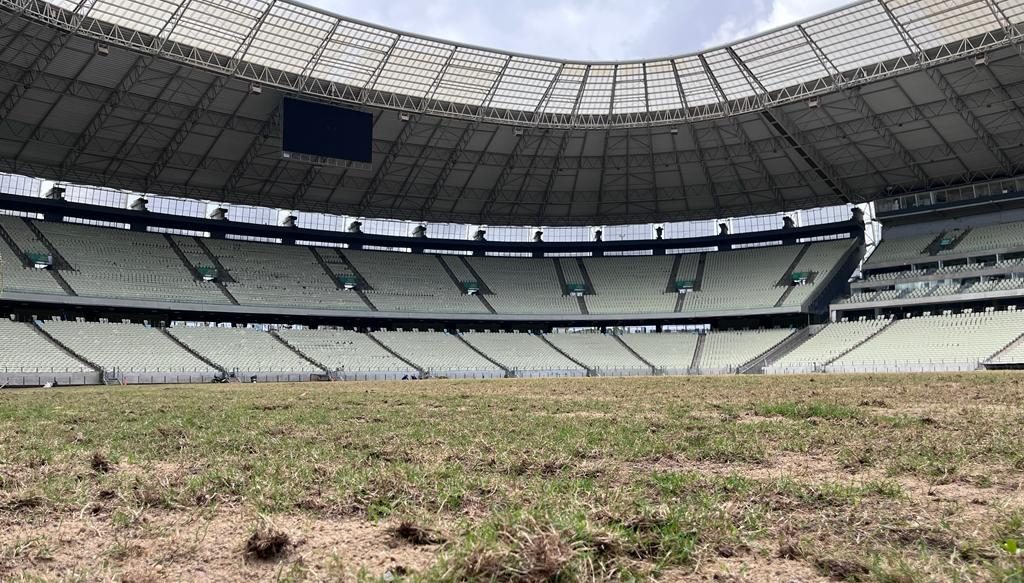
<point x="680" y="299"/>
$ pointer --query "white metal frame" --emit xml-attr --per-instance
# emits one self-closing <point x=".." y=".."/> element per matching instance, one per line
<point x="301" y="49"/>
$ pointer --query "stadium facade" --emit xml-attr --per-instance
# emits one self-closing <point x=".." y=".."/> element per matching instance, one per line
<point x="519" y="215"/>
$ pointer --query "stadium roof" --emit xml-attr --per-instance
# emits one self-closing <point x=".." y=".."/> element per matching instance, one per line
<point x="871" y="99"/>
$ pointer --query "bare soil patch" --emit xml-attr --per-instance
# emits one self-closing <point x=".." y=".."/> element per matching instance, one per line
<point x="222" y="545"/>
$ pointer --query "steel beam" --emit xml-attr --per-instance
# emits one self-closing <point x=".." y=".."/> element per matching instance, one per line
<point x="252" y="152"/>
<point x="41" y="62"/>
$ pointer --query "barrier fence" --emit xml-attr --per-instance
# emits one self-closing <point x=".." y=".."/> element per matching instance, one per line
<point x="36" y="376"/>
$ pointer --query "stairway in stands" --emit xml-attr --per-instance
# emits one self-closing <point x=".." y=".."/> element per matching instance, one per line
<point x="698" y="353"/>
<point x="458" y="284"/>
<point x="507" y="370"/>
<point x="670" y="288"/>
<point x="563" y="285"/>
<point x="394" y="353"/>
<point x="196" y="276"/>
<point x="862" y="342"/>
<point x="327" y="268"/>
<point x="629" y="349"/>
<point x="39" y="328"/>
<point x="590" y="371"/>
<point x="332" y="374"/>
<point x="362" y="284"/>
<point x="762" y="361"/>
<point x="191" y="350"/>
<point x="698" y="278"/>
<point x="58" y="261"/>
<point x="222" y="272"/>
<point x="25" y="261"/>
<point x="787" y="278"/>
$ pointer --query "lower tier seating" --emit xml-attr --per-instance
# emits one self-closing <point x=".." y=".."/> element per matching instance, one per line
<point x="828" y="344"/>
<point x="125" y="347"/>
<point x="940" y="342"/>
<point x="521" y="351"/>
<point x="600" y="352"/>
<point x="669" y="351"/>
<point x="440" y="352"/>
<point x="964" y="338"/>
<point x="24" y="349"/>
<point x="1013" y="354"/>
<point x="728" y="350"/>
<point x="242" y="349"/>
<point x="344" y="350"/>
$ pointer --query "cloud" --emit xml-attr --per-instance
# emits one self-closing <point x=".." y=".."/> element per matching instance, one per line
<point x="764" y="16"/>
<point x="583" y="29"/>
<point x="568" y="29"/>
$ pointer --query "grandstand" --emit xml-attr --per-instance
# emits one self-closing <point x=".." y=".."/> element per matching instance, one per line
<point x="949" y="341"/>
<point x="603" y="354"/>
<point x="350" y="354"/>
<point x="243" y="351"/>
<point x="118" y="264"/>
<point x="524" y="354"/>
<point x="811" y="199"/>
<point x="669" y="353"/>
<point x="439" y="353"/>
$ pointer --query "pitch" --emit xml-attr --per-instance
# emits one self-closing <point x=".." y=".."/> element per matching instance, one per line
<point x="863" y="478"/>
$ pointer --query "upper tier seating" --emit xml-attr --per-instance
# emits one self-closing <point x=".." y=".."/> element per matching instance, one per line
<point x="857" y="297"/>
<point x="439" y="352"/>
<point x="520" y="351"/>
<point x="523" y="286"/>
<point x="1013" y="354"/>
<point x="914" y="249"/>
<point x="571" y="270"/>
<point x="334" y="260"/>
<point x="832" y="341"/>
<point x="406" y="282"/>
<point x="820" y="259"/>
<point x="671" y="351"/>
<point x="241" y="349"/>
<point x="459" y="268"/>
<point x="953" y="338"/>
<point x="598" y="351"/>
<point x="122" y="264"/>
<point x="903" y="248"/>
<point x="23" y="349"/>
<point x="115" y="263"/>
<point x="728" y="350"/>
<point x="15" y="277"/>
<point x="990" y="237"/>
<point x="127" y="347"/>
<point x="21" y="234"/>
<point x="344" y="350"/>
<point x="743" y="279"/>
<point x="280" y="275"/>
<point x="621" y="288"/>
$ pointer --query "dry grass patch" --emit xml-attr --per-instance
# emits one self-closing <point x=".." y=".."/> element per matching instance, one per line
<point x="873" y="477"/>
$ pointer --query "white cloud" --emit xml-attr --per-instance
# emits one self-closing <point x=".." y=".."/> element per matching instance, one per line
<point x="584" y="29"/>
<point x="766" y="16"/>
<point x="570" y="29"/>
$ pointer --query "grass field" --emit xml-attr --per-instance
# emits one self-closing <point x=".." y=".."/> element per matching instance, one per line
<point x="860" y="478"/>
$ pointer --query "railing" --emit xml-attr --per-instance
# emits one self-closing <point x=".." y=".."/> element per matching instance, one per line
<point x="921" y="365"/>
<point x="464" y="373"/>
<point x="43" y="370"/>
<point x="950" y="195"/>
<point x="611" y="371"/>
<point x="547" y="373"/>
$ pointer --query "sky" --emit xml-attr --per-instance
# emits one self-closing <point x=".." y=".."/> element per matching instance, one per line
<point x="593" y="30"/>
